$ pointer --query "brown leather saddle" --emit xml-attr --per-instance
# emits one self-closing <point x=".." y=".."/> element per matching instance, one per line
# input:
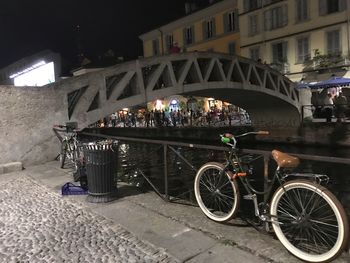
<point x="285" y="160"/>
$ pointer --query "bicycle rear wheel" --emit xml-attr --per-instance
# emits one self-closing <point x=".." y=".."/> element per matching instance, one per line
<point x="309" y="221"/>
<point x="216" y="193"/>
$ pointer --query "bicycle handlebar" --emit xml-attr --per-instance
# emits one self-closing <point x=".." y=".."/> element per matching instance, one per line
<point x="252" y="133"/>
<point x="227" y="137"/>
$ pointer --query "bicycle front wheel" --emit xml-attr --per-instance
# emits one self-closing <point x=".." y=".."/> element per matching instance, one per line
<point x="216" y="193"/>
<point x="309" y="221"/>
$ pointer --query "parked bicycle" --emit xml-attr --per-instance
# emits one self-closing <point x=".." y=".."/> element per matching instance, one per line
<point x="69" y="146"/>
<point x="306" y="217"/>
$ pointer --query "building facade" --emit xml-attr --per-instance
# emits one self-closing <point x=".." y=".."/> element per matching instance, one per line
<point x="296" y="36"/>
<point x="37" y="70"/>
<point x="214" y="28"/>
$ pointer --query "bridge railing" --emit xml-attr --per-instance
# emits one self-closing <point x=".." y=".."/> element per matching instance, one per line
<point x="169" y="146"/>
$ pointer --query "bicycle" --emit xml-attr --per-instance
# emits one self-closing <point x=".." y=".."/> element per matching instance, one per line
<point x="69" y="146"/>
<point x="306" y="217"/>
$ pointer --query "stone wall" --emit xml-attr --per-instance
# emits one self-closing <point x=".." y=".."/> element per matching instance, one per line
<point x="27" y="117"/>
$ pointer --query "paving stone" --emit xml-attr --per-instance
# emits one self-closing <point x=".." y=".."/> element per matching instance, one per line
<point x="61" y="231"/>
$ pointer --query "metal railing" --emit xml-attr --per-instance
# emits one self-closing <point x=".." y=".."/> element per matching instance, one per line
<point x="169" y="145"/>
<point x="319" y="111"/>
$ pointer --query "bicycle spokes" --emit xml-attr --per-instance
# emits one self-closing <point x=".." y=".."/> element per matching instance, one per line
<point x="216" y="191"/>
<point x="309" y="222"/>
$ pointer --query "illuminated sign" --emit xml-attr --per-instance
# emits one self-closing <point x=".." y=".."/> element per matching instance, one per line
<point x="39" y="74"/>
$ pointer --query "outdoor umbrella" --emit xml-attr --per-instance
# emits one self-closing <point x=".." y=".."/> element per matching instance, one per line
<point x="332" y="82"/>
<point x="302" y="85"/>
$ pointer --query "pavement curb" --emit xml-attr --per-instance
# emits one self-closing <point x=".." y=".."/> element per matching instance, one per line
<point x="11" y="167"/>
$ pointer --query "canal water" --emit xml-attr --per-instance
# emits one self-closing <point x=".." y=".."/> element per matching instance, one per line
<point x="136" y="159"/>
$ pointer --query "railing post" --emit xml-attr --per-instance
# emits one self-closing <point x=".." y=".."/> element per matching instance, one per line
<point x="165" y="155"/>
<point x="266" y="176"/>
<point x="302" y="114"/>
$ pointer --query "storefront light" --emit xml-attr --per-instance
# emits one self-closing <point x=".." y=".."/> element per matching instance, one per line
<point x="159" y="105"/>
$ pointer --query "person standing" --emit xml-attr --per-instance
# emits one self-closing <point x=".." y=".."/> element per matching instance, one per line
<point x="174" y="49"/>
<point x="147" y="118"/>
<point x="328" y="107"/>
<point x="152" y="118"/>
<point x="341" y="104"/>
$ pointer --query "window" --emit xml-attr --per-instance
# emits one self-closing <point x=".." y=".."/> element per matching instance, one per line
<point x="250" y="5"/>
<point x="232" y="48"/>
<point x="331" y="6"/>
<point x="230" y="22"/>
<point x="209" y="29"/>
<point x="169" y="42"/>
<point x="302" y="10"/>
<point x="253" y="25"/>
<point x="255" y="53"/>
<point x="189" y="35"/>
<point x="155" y="47"/>
<point x="333" y="42"/>
<point x="279" y="52"/>
<point x="276" y="17"/>
<point x="303" y="50"/>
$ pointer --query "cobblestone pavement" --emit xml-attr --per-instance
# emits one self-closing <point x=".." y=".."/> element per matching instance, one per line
<point x="37" y="225"/>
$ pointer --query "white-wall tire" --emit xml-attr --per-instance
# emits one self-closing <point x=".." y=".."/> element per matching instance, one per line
<point x="326" y="201"/>
<point x="223" y="186"/>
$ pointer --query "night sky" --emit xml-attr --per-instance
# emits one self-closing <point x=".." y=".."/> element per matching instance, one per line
<point x="30" y="26"/>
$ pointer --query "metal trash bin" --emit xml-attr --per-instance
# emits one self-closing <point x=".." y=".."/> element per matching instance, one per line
<point x="101" y="166"/>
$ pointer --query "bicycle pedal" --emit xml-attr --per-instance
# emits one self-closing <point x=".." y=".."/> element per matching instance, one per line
<point x="248" y="197"/>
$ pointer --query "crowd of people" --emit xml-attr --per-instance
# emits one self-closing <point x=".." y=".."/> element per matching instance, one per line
<point x="174" y="118"/>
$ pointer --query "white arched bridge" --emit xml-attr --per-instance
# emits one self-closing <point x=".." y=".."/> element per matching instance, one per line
<point x="269" y="97"/>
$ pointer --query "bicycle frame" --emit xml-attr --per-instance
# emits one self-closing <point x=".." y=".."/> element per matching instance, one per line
<point x="233" y="160"/>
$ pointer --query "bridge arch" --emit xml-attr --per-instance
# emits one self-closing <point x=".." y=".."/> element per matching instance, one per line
<point x="269" y="97"/>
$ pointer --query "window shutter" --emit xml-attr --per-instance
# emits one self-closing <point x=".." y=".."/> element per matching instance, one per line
<point x="251" y="24"/>
<point x="245" y="5"/>
<point x="336" y="41"/>
<point x="193" y="35"/>
<point x="299" y="51"/>
<point x="284" y="15"/>
<point x="167" y="43"/>
<point x="267" y="20"/>
<point x="284" y="50"/>
<point x="184" y="36"/>
<point x="205" y="30"/>
<point x="322" y="5"/>
<point x="342" y="5"/>
<point x="157" y="46"/>
<point x="231" y="48"/>
<point x="236" y="21"/>
<point x="226" y="23"/>
<point x="214" y="27"/>
<point x="274" y="53"/>
<point x="305" y="7"/>
<point x="329" y="42"/>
